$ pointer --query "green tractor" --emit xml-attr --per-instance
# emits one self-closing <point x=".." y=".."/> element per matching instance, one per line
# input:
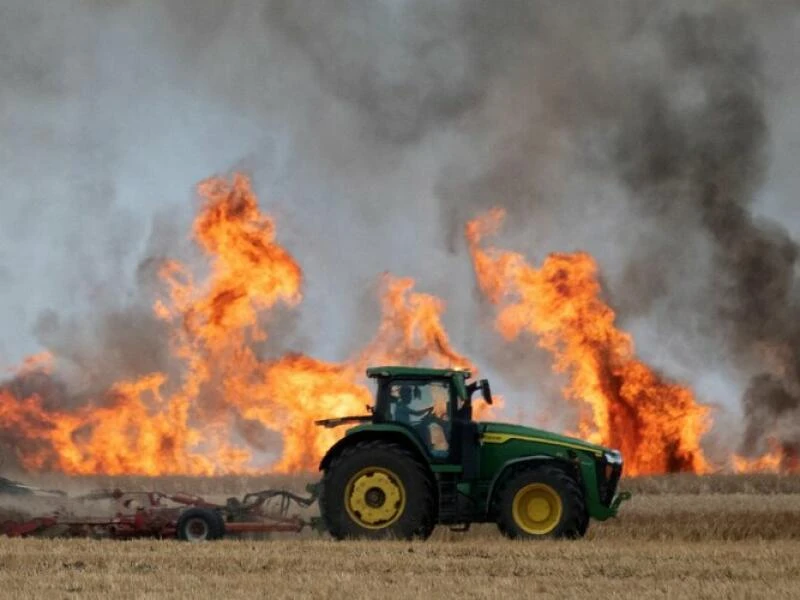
<point x="419" y="460"/>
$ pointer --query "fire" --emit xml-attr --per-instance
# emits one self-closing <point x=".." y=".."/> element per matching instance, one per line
<point x="250" y="271"/>
<point x="295" y="391"/>
<point x="768" y="463"/>
<point x="40" y="362"/>
<point x="121" y="436"/>
<point x="411" y="329"/>
<point x="224" y="401"/>
<point x="781" y="458"/>
<point x="623" y="403"/>
<point x="221" y="407"/>
<point x="153" y="425"/>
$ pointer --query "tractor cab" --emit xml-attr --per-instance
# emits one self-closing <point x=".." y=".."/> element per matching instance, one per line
<point x="435" y="404"/>
<point x="439" y="394"/>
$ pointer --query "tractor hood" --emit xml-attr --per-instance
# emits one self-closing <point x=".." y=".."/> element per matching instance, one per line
<point x="503" y="431"/>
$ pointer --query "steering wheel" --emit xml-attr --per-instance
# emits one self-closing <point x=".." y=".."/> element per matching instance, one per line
<point x="430" y="417"/>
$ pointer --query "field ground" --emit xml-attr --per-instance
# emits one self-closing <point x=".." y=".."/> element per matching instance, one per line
<point x="710" y="537"/>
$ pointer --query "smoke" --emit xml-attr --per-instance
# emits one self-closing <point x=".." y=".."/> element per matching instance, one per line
<point x="696" y="162"/>
<point x="773" y="418"/>
<point x="675" y="106"/>
<point x="408" y="67"/>
<point x="645" y="134"/>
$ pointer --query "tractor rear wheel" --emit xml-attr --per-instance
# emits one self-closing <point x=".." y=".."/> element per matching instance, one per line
<point x="200" y="525"/>
<point x="544" y="502"/>
<point x="378" y="490"/>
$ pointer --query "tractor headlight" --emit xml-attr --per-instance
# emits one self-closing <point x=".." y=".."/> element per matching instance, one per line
<point x="613" y="463"/>
<point x="613" y="457"/>
<point x="611" y="466"/>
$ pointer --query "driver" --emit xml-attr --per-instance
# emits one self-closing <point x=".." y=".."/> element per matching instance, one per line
<point x="403" y="411"/>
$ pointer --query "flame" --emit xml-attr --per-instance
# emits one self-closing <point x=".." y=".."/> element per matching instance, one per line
<point x="411" y="329"/>
<point x="151" y="426"/>
<point x="41" y="362"/>
<point x="225" y="401"/>
<point x="781" y="458"/>
<point x="122" y="436"/>
<point x="768" y="463"/>
<point x="623" y="403"/>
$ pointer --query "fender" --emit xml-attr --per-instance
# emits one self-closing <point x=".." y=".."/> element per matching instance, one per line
<point x="511" y="464"/>
<point x="388" y="432"/>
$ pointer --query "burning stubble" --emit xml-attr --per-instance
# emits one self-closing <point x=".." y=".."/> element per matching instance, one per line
<point x="623" y="403"/>
<point x="225" y="399"/>
<point x="639" y="133"/>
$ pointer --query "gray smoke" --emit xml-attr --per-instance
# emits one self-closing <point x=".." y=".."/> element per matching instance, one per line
<point x="654" y="136"/>
<point x="408" y="67"/>
<point x="698" y="165"/>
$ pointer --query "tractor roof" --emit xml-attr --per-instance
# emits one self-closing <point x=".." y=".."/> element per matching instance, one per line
<point x="420" y="372"/>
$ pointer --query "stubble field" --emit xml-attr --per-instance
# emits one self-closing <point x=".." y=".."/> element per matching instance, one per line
<point x="682" y="536"/>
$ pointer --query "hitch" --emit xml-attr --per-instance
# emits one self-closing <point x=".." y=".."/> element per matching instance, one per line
<point x="619" y="499"/>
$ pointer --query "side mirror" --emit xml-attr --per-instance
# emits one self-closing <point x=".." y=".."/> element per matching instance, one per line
<point x="483" y="386"/>
<point x="486" y="390"/>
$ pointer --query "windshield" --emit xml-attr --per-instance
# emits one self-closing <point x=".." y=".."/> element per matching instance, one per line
<point x="422" y="405"/>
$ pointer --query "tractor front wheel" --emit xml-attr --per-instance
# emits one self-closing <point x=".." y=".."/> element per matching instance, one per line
<point x="543" y="502"/>
<point x="377" y="490"/>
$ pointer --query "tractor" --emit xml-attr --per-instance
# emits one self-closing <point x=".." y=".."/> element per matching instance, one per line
<point x="418" y="460"/>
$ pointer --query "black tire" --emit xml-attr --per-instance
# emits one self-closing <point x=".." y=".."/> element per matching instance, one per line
<point x="413" y="519"/>
<point x="200" y="525"/>
<point x="573" y="520"/>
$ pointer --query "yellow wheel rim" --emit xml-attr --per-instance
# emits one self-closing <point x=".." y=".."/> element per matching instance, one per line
<point x="537" y="509"/>
<point x="375" y="498"/>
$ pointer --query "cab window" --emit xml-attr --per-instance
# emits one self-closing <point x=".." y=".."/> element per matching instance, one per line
<point x="424" y="406"/>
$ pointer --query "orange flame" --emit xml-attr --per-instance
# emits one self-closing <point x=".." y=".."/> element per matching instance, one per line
<point x="227" y="400"/>
<point x="122" y="436"/>
<point x="625" y="404"/>
<point x="781" y="458"/>
<point x="411" y="329"/>
<point x="768" y="463"/>
<point x="41" y="362"/>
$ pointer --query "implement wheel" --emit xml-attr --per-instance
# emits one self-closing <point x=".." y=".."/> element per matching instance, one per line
<point x="377" y="490"/>
<point x="544" y="502"/>
<point x="200" y="525"/>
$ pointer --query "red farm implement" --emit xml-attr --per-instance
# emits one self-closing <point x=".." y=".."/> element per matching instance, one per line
<point x="160" y="515"/>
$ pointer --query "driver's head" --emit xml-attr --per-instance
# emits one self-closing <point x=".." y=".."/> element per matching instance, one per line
<point x="405" y="394"/>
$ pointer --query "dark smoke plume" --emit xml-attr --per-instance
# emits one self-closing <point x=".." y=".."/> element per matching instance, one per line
<point x="700" y="164"/>
<point x="408" y="67"/>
